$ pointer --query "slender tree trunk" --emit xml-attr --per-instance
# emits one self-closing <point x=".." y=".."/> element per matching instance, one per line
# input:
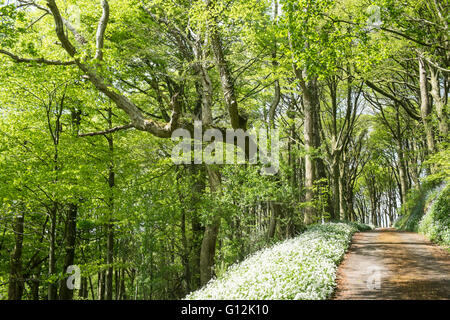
<point x="123" y="291"/>
<point x="342" y="203"/>
<point x="71" y="232"/>
<point x="109" y="261"/>
<point x="110" y="224"/>
<point x="185" y="255"/>
<point x="35" y="284"/>
<point x="373" y="205"/>
<point x="440" y="105"/>
<point x="208" y="249"/>
<point x="275" y="213"/>
<point x="84" y="288"/>
<point x="413" y="166"/>
<point x="16" y="282"/>
<point x="425" y="106"/>
<point x="349" y="198"/>
<point x="197" y="232"/>
<point x="402" y="173"/>
<point x="52" y="289"/>
<point x="101" y="285"/>
<point x="198" y="175"/>
<point x="310" y="104"/>
<point x="335" y="149"/>
<point x="335" y="186"/>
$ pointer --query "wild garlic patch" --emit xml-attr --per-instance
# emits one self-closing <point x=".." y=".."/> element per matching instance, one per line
<point x="300" y="268"/>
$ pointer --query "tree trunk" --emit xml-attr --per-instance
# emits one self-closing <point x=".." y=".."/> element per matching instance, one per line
<point x="199" y="176"/>
<point x="16" y="282"/>
<point x="342" y="203"/>
<point x="185" y="255"/>
<point x="425" y="107"/>
<point x="349" y="200"/>
<point x="310" y="101"/>
<point x="326" y="204"/>
<point x="402" y="173"/>
<point x="197" y="231"/>
<point x="413" y="166"/>
<point x="211" y="231"/>
<point x="123" y="291"/>
<point x="237" y="121"/>
<point x="335" y="186"/>
<point x="109" y="261"/>
<point x="84" y="288"/>
<point x="101" y="285"/>
<point x="440" y="105"/>
<point x="52" y="289"/>
<point x="35" y="285"/>
<point x="374" y="212"/>
<point x="110" y="224"/>
<point x="71" y="232"/>
<point x="275" y="213"/>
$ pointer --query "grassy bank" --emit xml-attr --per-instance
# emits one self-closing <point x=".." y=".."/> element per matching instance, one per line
<point x="428" y="212"/>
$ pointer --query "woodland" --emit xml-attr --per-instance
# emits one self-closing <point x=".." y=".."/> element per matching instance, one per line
<point x="92" y="91"/>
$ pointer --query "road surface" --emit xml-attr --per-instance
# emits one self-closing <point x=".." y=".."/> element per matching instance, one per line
<point x="391" y="264"/>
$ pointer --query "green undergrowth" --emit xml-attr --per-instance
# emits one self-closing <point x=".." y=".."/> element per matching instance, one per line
<point x="435" y="223"/>
<point x="303" y="267"/>
<point x="427" y="211"/>
<point x="417" y="202"/>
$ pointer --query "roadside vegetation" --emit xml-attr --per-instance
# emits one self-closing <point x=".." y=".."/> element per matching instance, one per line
<point x="303" y="267"/>
<point x="427" y="209"/>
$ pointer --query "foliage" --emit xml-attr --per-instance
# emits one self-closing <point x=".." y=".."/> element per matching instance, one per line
<point x="78" y="131"/>
<point x="440" y="162"/>
<point x="435" y="223"/>
<point x="417" y="203"/>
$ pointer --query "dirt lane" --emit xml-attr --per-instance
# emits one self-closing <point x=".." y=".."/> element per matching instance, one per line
<point x="390" y="264"/>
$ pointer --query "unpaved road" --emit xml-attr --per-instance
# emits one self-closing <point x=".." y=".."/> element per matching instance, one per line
<point x="390" y="264"/>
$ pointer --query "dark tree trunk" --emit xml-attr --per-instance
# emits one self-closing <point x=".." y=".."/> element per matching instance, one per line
<point x="110" y="224"/>
<point x="35" y="286"/>
<point x="199" y="176"/>
<point x="185" y="255"/>
<point x="16" y="282"/>
<point x="109" y="261"/>
<point x="71" y="233"/>
<point x="123" y="291"/>
<point x="52" y="288"/>
<point x="84" y="288"/>
<point x="335" y="186"/>
<point x="101" y="285"/>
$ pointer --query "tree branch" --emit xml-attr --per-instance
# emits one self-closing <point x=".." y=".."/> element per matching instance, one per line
<point x="102" y="24"/>
<point x="59" y="28"/>
<point x="37" y="60"/>
<point x="411" y="113"/>
<point x="108" y="131"/>
<point x="80" y="39"/>
<point x="162" y="130"/>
